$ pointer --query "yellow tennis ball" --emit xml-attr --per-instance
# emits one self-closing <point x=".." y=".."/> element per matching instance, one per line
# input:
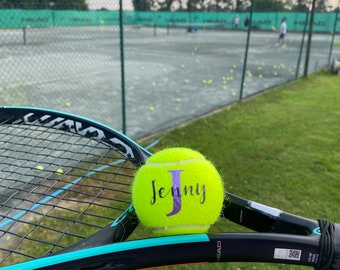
<point x="40" y="168"/>
<point x="59" y="171"/>
<point x="177" y="191"/>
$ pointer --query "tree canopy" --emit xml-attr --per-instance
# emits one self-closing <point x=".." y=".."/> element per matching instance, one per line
<point x="225" y="5"/>
<point x="44" y="4"/>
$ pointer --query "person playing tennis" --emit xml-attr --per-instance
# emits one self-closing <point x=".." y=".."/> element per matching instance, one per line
<point x="282" y="35"/>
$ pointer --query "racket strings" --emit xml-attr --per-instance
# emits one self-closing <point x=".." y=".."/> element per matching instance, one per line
<point x="56" y="188"/>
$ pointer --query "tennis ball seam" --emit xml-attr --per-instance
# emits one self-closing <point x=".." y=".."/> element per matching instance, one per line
<point x="175" y="162"/>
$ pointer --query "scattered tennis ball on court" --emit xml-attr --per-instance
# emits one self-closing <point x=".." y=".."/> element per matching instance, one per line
<point x="68" y="104"/>
<point x="136" y="78"/>
<point x="182" y="66"/>
<point x="336" y="42"/>
<point x="152" y="109"/>
<point x="273" y="28"/>
<point x="259" y="68"/>
<point x="153" y="84"/>
<point x="39" y="168"/>
<point x="165" y="70"/>
<point x="186" y="81"/>
<point x="234" y="66"/>
<point x="197" y="61"/>
<point x="260" y="75"/>
<point x="142" y="68"/>
<point x="204" y="81"/>
<point x="59" y="171"/>
<point x="210" y="81"/>
<point x="231" y="70"/>
<point x="177" y="191"/>
<point x="178" y="100"/>
<point x="225" y="88"/>
<point x="159" y="64"/>
<point x="233" y="93"/>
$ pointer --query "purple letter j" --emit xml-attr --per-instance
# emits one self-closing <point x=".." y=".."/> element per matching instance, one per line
<point x="176" y="192"/>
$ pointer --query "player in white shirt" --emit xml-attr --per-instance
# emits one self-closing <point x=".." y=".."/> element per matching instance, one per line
<point x="282" y="35"/>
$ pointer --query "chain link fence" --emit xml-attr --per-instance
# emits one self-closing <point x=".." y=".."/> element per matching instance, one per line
<point x="141" y="72"/>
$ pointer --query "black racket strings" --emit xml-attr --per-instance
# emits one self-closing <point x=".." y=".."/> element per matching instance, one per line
<point x="102" y="180"/>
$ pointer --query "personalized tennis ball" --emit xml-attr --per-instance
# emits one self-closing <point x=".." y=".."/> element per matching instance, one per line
<point x="177" y="191"/>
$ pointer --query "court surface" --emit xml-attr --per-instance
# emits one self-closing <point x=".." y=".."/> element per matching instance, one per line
<point x="170" y="75"/>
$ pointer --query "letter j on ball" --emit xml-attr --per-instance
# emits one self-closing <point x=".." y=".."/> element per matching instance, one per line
<point x="178" y="191"/>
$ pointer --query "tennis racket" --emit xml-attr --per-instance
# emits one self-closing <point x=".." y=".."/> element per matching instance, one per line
<point x="65" y="204"/>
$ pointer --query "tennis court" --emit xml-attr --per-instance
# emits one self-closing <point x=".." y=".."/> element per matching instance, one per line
<point x="170" y="75"/>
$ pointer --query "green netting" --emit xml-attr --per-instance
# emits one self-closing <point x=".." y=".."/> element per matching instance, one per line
<point x="17" y="18"/>
<point x="12" y="18"/>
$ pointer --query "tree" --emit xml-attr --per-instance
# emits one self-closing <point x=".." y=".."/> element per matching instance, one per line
<point x="142" y="5"/>
<point x="268" y="5"/>
<point x="302" y="6"/>
<point x="44" y="4"/>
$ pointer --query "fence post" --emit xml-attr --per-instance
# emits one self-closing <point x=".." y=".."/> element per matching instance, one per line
<point x="333" y="35"/>
<point x="24" y="34"/>
<point x="247" y="48"/>
<point x="309" y="42"/>
<point x="122" y="68"/>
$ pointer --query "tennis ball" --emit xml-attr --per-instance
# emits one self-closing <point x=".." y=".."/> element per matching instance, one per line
<point x="39" y="168"/>
<point x="68" y="104"/>
<point x="59" y="171"/>
<point x="177" y="191"/>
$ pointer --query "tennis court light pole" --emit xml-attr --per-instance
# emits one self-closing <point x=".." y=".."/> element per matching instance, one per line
<point x="246" y="51"/>
<point x="122" y="69"/>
